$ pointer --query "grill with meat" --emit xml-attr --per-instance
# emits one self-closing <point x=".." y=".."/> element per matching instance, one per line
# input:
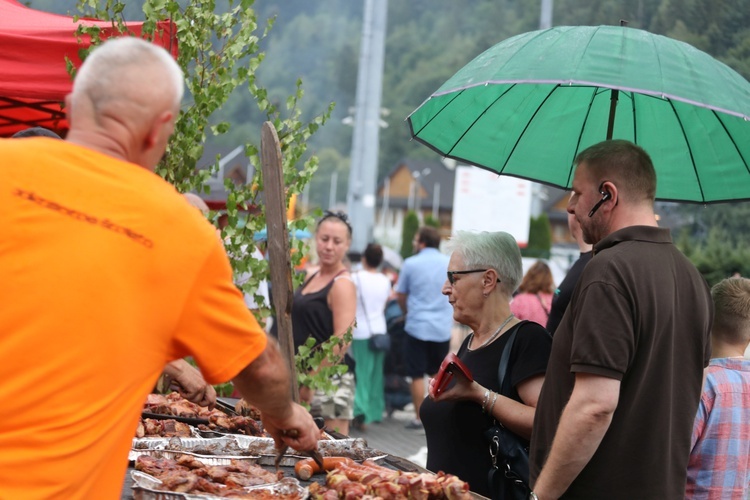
<point x="186" y="474"/>
<point x="148" y="427"/>
<point x="352" y="480"/>
<point x="174" y="404"/>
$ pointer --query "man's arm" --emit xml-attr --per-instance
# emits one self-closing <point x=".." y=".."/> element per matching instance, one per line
<point x="401" y="299"/>
<point x="265" y="384"/>
<point x="191" y="384"/>
<point x="582" y="426"/>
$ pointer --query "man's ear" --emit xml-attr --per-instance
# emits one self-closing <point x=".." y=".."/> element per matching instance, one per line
<point x="162" y="125"/>
<point x="610" y="188"/>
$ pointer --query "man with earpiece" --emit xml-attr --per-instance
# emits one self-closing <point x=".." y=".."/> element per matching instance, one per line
<point x="615" y="415"/>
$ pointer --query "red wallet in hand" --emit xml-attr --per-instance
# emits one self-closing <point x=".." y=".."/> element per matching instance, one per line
<point x="450" y="365"/>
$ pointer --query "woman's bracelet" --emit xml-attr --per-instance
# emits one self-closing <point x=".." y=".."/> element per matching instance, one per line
<point x="485" y="400"/>
<point x="492" y="405"/>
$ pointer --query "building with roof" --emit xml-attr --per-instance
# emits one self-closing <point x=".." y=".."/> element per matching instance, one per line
<point x="233" y="165"/>
<point x="424" y="186"/>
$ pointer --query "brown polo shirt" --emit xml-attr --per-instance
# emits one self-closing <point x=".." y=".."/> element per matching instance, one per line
<point x="641" y="313"/>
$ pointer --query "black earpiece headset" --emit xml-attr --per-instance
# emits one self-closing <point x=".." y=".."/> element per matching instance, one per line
<point x="606" y="195"/>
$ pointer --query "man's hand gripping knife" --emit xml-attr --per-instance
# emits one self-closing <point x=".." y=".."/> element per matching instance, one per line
<point x="265" y="385"/>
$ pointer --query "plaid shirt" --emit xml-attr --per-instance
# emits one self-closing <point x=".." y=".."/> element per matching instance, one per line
<point x="719" y="465"/>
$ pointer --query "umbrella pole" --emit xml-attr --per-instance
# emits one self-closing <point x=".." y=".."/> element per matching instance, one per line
<point x="612" y="109"/>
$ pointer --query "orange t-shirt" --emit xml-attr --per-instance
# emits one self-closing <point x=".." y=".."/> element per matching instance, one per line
<point x="106" y="274"/>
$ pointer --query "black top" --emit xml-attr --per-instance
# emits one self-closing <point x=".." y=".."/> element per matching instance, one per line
<point x="454" y="429"/>
<point x="311" y="317"/>
<point x="563" y="293"/>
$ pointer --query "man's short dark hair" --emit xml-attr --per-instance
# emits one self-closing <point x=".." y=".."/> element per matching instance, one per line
<point x="36" y="132"/>
<point x="625" y="164"/>
<point x="373" y="255"/>
<point x="428" y="236"/>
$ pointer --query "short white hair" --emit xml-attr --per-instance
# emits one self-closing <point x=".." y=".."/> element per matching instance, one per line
<point x="126" y="53"/>
<point x="496" y="250"/>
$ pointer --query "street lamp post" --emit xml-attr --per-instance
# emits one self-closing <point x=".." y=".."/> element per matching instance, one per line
<point x="436" y="201"/>
<point x="365" y="142"/>
<point x="415" y="201"/>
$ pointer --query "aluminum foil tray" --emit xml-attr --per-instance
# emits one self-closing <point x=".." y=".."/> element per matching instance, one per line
<point x="145" y="487"/>
<point x="356" y="449"/>
<point x="206" y="459"/>
<point x="187" y="443"/>
<point x="188" y="446"/>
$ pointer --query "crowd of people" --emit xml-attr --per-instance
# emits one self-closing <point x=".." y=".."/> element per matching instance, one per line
<point x="112" y="278"/>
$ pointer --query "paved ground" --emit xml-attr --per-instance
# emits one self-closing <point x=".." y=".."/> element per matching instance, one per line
<point x="392" y="437"/>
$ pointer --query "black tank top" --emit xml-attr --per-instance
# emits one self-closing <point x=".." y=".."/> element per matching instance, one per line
<point x="311" y="316"/>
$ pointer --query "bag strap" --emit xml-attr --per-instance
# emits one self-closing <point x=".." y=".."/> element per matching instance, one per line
<point x="362" y="301"/>
<point x="502" y="367"/>
<point x="544" y="307"/>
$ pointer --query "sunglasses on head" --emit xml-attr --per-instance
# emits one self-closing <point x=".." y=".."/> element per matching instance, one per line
<point x="336" y="215"/>
<point x="452" y="279"/>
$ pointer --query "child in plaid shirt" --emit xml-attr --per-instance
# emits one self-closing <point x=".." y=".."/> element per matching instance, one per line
<point x="719" y="466"/>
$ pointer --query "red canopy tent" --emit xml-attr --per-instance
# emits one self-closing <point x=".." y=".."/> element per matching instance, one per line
<point x="33" y="75"/>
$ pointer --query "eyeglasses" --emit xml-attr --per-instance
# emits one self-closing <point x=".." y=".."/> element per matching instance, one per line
<point x="452" y="279"/>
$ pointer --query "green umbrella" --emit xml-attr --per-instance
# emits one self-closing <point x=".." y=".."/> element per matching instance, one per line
<point x="528" y="105"/>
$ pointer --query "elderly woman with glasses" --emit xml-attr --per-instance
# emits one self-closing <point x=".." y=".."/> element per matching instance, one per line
<point x="484" y="271"/>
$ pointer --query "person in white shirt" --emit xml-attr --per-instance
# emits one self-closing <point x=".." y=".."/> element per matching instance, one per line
<point x="373" y="291"/>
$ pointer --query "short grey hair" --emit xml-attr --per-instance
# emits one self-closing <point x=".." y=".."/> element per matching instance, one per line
<point x="496" y="250"/>
<point x="126" y="54"/>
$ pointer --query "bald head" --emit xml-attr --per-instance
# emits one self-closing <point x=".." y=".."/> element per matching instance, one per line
<point x="128" y="67"/>
<point x="197" y="202"/>
<point x="125" y="99"/>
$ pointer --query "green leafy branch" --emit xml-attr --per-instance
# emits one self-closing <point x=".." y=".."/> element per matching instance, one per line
<point x="317" y="364"/>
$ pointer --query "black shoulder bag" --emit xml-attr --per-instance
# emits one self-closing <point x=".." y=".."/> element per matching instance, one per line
<point x="509" y="475"/>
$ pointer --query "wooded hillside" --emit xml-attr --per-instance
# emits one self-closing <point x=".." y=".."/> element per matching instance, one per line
<point x="427" y="41"/>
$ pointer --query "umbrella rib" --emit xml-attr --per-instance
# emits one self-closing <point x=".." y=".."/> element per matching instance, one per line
<point x="525" y="128"/>
<point x="435" y="115"/>
<point x="580" y="134"/>
<point x="635" y="122"/>
<point x="731" y="138"/>
<point x="655" y="51"/>
<point x="690" y="150"/>
<point x="479" y="116"/>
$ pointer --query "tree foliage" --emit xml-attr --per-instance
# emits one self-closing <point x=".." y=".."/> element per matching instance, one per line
<point x="716" y="238"/>
<point x="427" y="41"/>
<point x="431" y="221"/>
<point x="410" y="228"/>
<point x="540" y="238"/>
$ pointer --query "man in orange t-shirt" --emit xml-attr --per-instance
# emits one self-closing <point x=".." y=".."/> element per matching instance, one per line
<point x="108" y="274"/>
